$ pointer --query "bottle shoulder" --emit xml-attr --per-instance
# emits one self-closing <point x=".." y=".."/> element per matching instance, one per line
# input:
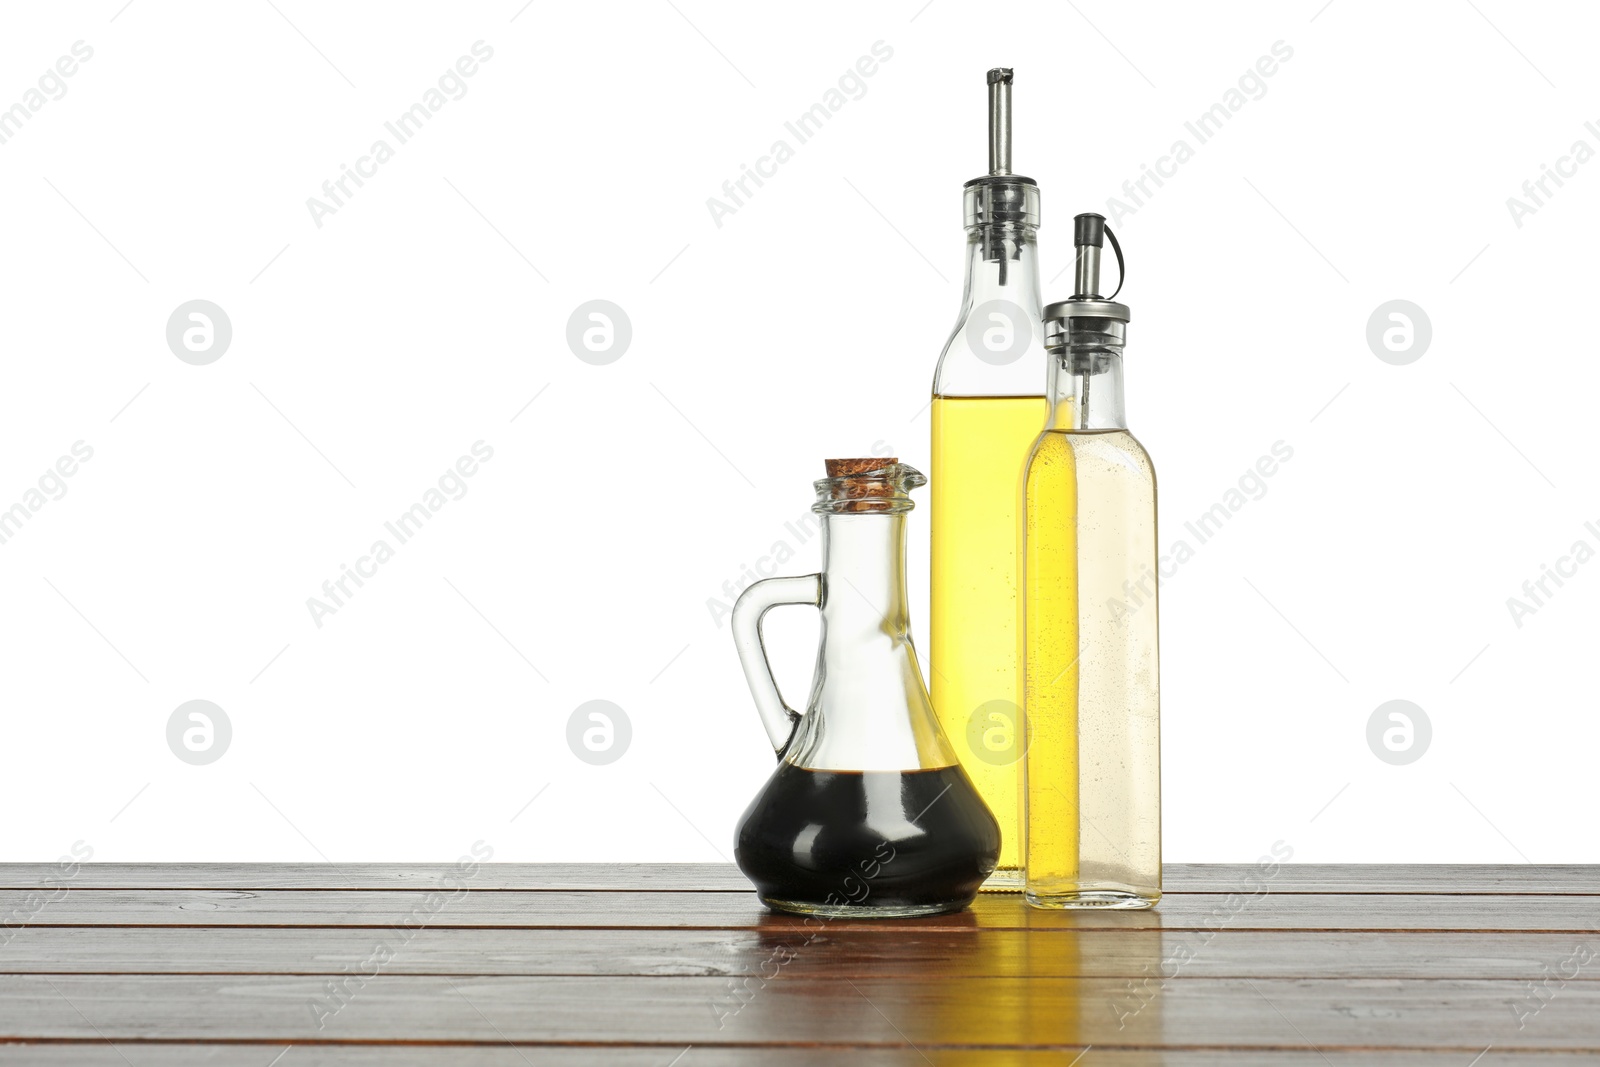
<point x="992" y="359"/>
<point x="1113" y="448"/>
<point x="997" y="344"/>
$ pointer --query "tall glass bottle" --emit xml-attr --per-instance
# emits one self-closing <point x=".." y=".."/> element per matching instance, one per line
<point x="987" y="409"/>
<point x="1092" y="704"/>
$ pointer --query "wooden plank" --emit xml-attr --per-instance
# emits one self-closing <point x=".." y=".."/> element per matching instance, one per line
<point x="260" y="1055"/>
<point x="1368" y="974"/>
<point x="1465" y="1017"/>
<point x="104" y="1054"/>
<point x="838" y="952"/>
<point x="588" y="877"/>
<point x="680" y="877"/>
<point x="620" y="909"/>
<point x="1448" y="878"/>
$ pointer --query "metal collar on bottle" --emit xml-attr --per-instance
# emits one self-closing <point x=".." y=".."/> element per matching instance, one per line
<point x="1086" y="308"/>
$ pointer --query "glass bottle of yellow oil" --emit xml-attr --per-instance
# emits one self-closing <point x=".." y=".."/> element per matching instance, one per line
<point x="988" y="406"/>
<point x="1091" y="705"/>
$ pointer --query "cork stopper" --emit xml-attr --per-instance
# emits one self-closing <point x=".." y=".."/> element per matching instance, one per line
<point x="843" y="468"/>
<point x="854" y="491"/>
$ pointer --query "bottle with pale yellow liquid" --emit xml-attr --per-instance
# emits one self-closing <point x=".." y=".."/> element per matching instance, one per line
<point x="988" y="406"/>
<point x="1092" y="691"/>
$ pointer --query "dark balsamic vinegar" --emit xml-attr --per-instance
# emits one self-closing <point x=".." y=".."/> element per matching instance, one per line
<point x="867" y="842"/>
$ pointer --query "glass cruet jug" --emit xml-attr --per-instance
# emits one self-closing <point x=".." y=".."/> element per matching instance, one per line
<point x="869" y="812"/>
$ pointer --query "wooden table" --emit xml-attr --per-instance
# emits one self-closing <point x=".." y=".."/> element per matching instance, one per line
<point x="651" y="966"/>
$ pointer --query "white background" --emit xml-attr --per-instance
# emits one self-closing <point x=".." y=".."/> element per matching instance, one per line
<point x="368" y="354"/>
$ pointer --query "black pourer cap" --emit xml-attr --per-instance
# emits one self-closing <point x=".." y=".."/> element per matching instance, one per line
<point x="1089" y="229"/>
<point x="1088" y="236"/>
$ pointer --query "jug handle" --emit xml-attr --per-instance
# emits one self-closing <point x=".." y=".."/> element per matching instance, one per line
<point x="748" y="611"/>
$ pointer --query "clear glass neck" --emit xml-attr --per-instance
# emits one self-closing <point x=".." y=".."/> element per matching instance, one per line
<point x="1086" y="378"/>
<point x="1003" y="263"/>
<point x="869" y="707"/>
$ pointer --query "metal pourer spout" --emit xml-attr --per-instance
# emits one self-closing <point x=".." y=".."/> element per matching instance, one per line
<point x="1087" y="317"/>
<point x="1086" y="330"/>
<point x="1000" y="122"/>
<point x="1089" y="235"/>
<point x="1003" y="207"/>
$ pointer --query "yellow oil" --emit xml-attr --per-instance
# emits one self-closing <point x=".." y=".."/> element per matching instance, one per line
<point x="1050" y="673"/>
<point x="1093" y="802"/>
<point x="980" y="447"/>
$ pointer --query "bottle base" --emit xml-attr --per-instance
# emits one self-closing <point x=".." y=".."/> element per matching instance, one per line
<point x="860" y="911"/>
<point x="1004" y="880"/>
<point x="1099" y="898"/>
